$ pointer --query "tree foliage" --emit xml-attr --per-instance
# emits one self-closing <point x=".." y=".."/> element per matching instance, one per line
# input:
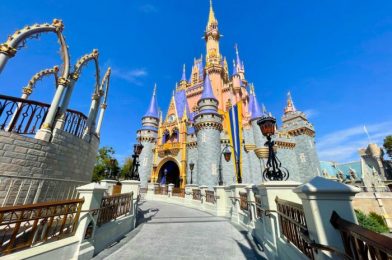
<point x="388" y="145"/>
<point x="373" y="221"/>
<point x="127" y="167"/>
<point x="105" y="164"/>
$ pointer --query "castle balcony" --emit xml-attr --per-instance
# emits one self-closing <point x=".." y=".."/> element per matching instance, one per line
<point x="168" y="149"/>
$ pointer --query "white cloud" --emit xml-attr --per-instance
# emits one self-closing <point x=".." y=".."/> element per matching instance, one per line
<point x="343" y="145"/>
<point x="133" y="76"/>
<point x="148" y="8"/>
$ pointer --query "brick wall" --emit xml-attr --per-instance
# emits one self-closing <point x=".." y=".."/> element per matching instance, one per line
<point x="24" y="161"/>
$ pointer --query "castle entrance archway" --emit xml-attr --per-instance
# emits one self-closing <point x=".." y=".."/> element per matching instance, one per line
<point x="169" y="173"/>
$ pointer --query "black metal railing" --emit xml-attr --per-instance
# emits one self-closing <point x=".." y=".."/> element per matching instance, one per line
<point x="196" y="194"/>
<point x="25" y="116"/>
<point x="210" y="196"/>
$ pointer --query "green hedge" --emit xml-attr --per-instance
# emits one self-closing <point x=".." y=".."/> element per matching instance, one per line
<point x="373" y="221"/>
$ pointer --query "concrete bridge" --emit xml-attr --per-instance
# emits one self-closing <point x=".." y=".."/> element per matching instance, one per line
<point x="169" y="231"/>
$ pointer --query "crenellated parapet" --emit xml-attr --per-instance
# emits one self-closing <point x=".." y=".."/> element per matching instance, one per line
<point x="208" y="125"/>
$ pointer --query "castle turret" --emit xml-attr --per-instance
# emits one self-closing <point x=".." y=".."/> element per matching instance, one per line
<point x="208" y="125"/>
<point x="147" y="136"/>
<point x="296" y="124"/>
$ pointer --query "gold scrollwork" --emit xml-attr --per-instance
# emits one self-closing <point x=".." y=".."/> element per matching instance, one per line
<point x="63" y="81"/>
<point x="58" y="24"/>
<point x="27" y="90"/>
<point x="7" y="50"/>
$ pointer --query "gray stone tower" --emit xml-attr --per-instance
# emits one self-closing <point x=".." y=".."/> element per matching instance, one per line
<point x="147" y="136"/>
<point x="296" y="124"/>
<point x="208" y="125"/>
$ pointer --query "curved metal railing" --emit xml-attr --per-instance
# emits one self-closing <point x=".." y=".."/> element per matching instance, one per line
<point x="26" y="116"/>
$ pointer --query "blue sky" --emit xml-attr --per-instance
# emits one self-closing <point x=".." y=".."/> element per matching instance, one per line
<point x="334" y="56"/>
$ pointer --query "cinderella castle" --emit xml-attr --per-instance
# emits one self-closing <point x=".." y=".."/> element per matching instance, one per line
<point x="215" y="110"/>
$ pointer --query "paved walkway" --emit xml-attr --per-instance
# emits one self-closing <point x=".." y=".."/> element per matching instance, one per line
<point x="168" y="231"/>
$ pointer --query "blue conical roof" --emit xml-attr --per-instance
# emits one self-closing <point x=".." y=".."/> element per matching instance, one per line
<point x="207" y="90"/>
<point x="255" y="110"/>
<point x="153" y="108"/>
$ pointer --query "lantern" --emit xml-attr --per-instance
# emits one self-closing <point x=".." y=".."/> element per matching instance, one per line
<point x="137" y="149"/>
<point x="191" y="166"/>
<point x="267" y="125"/>
<point x="227" y="154"/>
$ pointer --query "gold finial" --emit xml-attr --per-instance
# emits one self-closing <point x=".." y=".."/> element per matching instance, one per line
<point x="211" y="17"/>
<point x="290" y="104"/>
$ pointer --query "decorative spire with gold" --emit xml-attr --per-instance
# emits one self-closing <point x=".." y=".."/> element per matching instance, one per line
<point x="290" y="104"/>
<point x="212" y="22"/>
<point x="212" y="36"/>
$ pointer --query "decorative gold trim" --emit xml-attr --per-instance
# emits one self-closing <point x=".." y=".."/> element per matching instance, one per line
<point x="63" y="81"/>
<point x="45" y="126"/>
<point x="7" y="50"/>
<point x="249" y="147"/>
<point x="302" y="131"/>
<point x="261" y="153"/>
<point x="58" y="24"/>
<point x="282" y="144"/>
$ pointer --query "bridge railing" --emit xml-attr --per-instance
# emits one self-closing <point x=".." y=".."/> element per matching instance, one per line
<point x="114" y="206"/>
<point x="24" y="116"/>
<point x="361" y="243"/>
<point x="27" y="225"/>
<point x="292" y="223"/>
<point x="196" y="194"/>
<point x="210" y="196"/>
<point x="178" y="192"/>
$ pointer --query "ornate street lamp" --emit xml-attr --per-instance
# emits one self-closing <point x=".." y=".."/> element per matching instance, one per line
<point x="274" y="170"/>
<point x="191" y="166"/>
<point x="227" y="155"/>
<point x="137" y="150"/>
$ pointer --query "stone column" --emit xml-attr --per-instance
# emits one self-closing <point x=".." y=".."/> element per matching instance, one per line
<point x="150" y="190"/>
<point x="109" y="185"/>
<point x="320" y="197"/>
<point x="100" y="119"/>
<point x="92" y="194"/>
<point x="189" y="193"/>
<point x="67" y="98"/>
<point x="203" y="189"/>
<point x="221" y="200"/>
<point x="235" y="200"/>
<point x="131" y="186"/>
<point x="170" y="190"/>
<point x="251" y="205"/>
<point x="269" y="233"/>
<point x="91" y="116"/>
<point x="45" y="133"/>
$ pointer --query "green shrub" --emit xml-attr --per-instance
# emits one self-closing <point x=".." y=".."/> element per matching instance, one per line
<point x="373" y="221"/>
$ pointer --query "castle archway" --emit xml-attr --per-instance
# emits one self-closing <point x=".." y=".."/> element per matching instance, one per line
<point x="172" y="173"/>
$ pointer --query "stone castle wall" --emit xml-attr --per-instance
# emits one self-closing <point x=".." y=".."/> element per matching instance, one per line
<point x="33" y="170"/>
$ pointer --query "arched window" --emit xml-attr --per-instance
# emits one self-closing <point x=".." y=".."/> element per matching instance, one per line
<point x="166" y="136"/>
<point x="174" y="135"/>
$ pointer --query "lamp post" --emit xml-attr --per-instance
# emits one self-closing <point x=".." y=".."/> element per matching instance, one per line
<point x="274" y="170"/>
<point x="137" y="149"/>
<point x="227" y="155"/>
<point x="191" y="166"/>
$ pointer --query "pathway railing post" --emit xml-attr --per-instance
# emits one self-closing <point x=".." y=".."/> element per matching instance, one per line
<point x="320" y="197"/>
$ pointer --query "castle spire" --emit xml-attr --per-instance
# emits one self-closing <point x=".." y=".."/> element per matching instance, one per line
<point x="255" y="110"/>
<point x="207" y="93"/>
<point x="211" y="17"/>
<point x="237" y="55"/>
<point x="183" y="78"/>
<point x="290" y="104"/>
<point x="153" y="108"/>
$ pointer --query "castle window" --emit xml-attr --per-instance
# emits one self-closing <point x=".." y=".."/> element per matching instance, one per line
<point x="174" y="136"/>
<point x="302" y="157"/>
<point x="166" y="136"/>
